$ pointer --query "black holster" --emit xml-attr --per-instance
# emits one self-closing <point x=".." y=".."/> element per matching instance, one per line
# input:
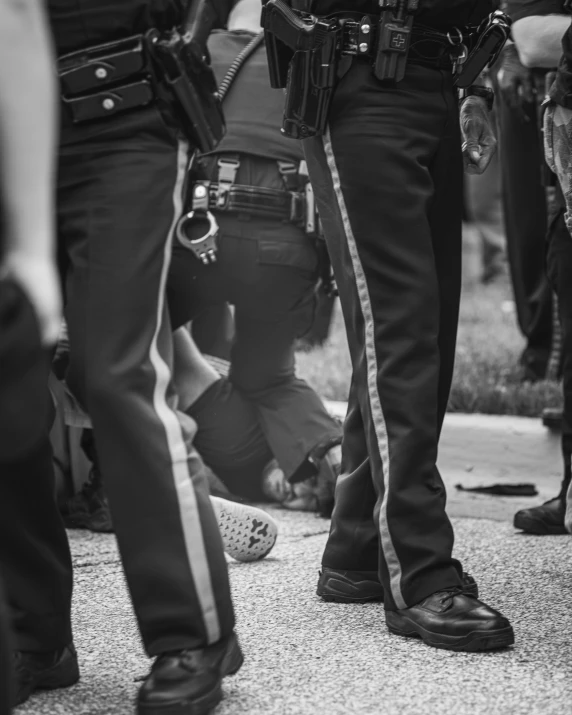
<point x="302" y="54"/>
<point x="490" y="38"/>
<point x="188" y="85"/>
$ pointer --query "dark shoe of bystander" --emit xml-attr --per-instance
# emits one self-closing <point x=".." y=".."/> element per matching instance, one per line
<point x="188" y="682"/>
<point x="89" y="508"/>
<point x="544" y="520"/>
<point x="552" y="417"/>
<point x="452" y="619"/>
<point x="47" y="671"/>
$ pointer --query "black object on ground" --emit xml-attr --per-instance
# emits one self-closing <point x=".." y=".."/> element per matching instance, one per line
<point x="503" y="490"/>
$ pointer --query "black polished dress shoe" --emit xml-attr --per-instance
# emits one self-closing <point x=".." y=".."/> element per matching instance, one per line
<point x="188" y="682"/>
<point x="363" y="586"/>
<point x="48" y="671"/>
<point x="544" y="520"/>
<point x="452" y="620"/>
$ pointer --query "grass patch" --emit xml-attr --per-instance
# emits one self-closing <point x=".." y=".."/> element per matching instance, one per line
<point x="487" y="376"/>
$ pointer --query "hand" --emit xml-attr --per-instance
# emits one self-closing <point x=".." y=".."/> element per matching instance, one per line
<point x="478" y="135"/>
<point x="38" y="278"/>
<point x="515" y="82"/>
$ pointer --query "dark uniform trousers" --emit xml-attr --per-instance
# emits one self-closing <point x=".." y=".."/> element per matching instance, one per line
<point x="559" y="271"/>
<point x="6" y="684"/>
<point x="268" y="270"/>
<point x="388" y="179"/>
<point x="35" y="559"/>
<point x="120" y="190"/>
<point x="35" y="562"/>
<point x="524" y="205"/>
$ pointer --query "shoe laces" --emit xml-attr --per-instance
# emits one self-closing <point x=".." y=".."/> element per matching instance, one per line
<point x="185" y="659"/>
<point x="447" y="595"/>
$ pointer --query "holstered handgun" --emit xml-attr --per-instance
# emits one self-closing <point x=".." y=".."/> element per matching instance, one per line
<point x="394" y="38"/>
<point x="491" y="38"/>
<point x="302" y="56"/>
<point x="191" y="89"/>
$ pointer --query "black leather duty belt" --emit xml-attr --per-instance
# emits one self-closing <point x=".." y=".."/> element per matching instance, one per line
<point x="288" y="206"/>
<point x="428" y="46"/>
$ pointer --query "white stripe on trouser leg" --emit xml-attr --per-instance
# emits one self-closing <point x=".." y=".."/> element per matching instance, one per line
<point x="188" y="508"/>
<point x="389" y="553"/>
<point x="568" y="515"/>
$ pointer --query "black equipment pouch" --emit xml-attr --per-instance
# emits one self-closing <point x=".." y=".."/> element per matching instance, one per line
<point x="394" y="39"/>
<point x="108" y="64"/>
<point x="108" y="79"/>
<point x="188" y="84"/>
<point x="302" y="54"/>
<point x="115" y="77"/>
<point x="491" y="38"/>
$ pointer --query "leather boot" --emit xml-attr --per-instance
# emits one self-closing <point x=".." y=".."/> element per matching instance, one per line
<point x="452" y="620"/>
<point x="188" y="682"/>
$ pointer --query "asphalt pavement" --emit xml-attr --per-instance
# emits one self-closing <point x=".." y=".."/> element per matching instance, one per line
<point x="306" y="657"/>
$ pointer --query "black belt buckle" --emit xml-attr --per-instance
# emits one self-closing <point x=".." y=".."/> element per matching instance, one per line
<point x="97" y="67"/>
<point x="99" y="105"/>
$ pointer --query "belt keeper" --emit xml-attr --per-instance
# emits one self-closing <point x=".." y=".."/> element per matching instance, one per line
<point x="227" y="170"/>
<point x="365" y="35"/>
<point x="200" y="200"/>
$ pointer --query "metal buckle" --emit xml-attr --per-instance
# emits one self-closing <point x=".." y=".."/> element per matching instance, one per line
<point x="227" y="170"/>
<point x="459" y="39"/>
<point x="460" y="51"/>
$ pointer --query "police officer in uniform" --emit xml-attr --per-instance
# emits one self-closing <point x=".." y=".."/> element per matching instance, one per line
<point x="387" y="172"/>
<point x="122" y="164"/>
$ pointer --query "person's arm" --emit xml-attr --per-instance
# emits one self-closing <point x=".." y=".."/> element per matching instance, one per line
<point x="27" y="127"/>
<point x="538" y="39"/>
<point x="27" y="147"/>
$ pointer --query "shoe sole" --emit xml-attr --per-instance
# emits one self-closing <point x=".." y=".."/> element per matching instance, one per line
<point x="248" y="533"/>
<point x="473" y="642"/>
<point x="537" y="527"/>
<point x="231" y="664"/>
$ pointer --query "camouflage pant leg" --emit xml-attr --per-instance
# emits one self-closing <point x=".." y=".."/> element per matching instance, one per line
<point x="558" y="151"/>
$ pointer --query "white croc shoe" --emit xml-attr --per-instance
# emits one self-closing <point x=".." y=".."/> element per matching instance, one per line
<point x="248" y="533"/>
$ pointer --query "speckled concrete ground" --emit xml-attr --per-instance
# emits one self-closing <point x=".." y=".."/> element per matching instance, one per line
<point x="304" y="656"/>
